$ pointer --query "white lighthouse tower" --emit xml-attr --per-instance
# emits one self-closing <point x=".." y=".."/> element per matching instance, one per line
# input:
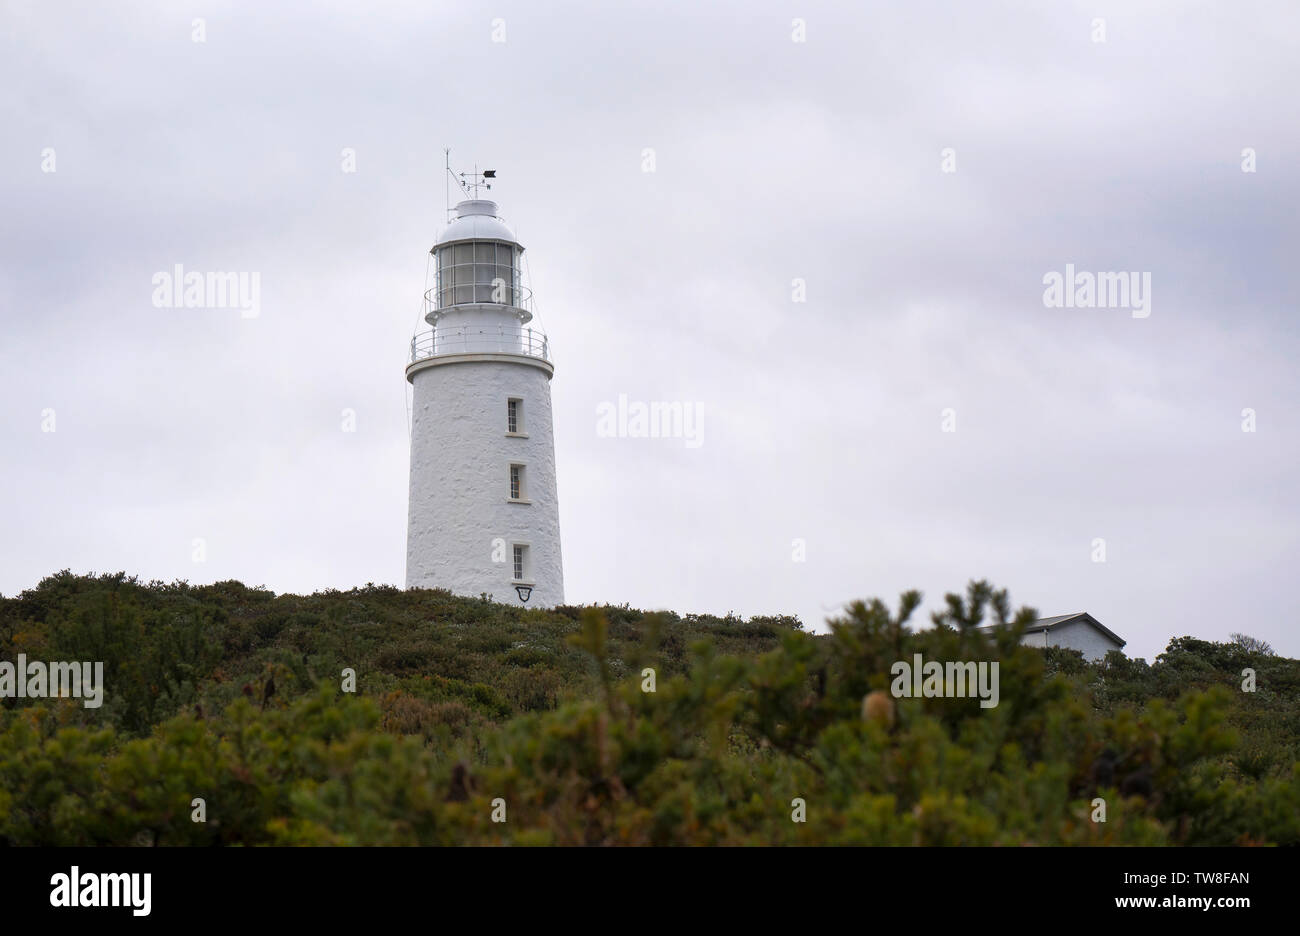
<point x="484" y="514"/>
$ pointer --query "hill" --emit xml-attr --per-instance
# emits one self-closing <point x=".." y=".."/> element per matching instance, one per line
<point x="226" y="720"/>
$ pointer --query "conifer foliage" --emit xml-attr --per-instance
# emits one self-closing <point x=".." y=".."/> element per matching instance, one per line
<point x="478" y="723"/>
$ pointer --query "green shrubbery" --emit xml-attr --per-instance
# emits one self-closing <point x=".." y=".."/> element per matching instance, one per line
<point x="233" y="695"/>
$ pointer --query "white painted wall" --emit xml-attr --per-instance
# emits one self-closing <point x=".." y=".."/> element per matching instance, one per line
<point x="1076" y="635"/>
<point x="1082" y="636"/>
<point x="1037" y="639"/>
<point x="460" y="480"/>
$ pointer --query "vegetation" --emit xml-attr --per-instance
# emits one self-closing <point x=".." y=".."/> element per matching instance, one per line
<point x="466" y="712"/>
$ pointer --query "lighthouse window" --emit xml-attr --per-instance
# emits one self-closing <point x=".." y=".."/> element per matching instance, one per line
<point x="514" y="423"/>
<point x="504" y="271"/>
<point x="464" y="272"/>
<point x="445" y="277"/>
<point x="469" y="273"/>
<point x="520" y="553"/>
<point x="483" y="273"/>
<point x="517" y="482"/>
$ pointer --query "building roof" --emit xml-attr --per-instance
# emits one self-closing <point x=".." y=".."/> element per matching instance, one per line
<point x="476" y="219"/>
<point x="1047" y="623"/>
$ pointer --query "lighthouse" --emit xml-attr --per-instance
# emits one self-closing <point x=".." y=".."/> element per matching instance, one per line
<point x="484" y="511"/>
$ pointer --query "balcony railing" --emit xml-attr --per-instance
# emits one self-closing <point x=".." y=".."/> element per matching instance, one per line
<point x="480" y="339"/>
<point x="521" y="297"/>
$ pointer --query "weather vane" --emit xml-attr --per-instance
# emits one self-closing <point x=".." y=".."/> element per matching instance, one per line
<point x="469" y="182"/>
<point x="475" y="179"/>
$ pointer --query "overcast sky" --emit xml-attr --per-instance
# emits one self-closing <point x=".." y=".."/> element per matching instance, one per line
<point x="774" y="160"/>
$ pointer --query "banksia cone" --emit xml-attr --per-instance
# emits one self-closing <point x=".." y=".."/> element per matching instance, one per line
<point x="878" y="707"/>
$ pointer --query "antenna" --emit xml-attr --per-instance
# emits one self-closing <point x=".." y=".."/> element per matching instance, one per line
<point x="446" y="154"/>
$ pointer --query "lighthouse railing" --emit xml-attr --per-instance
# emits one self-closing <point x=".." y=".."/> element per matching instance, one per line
<point x="447" y="297"/>
<point x="471" y="339"/>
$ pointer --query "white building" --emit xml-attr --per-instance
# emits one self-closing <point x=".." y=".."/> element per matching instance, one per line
<point x="484" y="513"/>
<point x="1079" y="631"/>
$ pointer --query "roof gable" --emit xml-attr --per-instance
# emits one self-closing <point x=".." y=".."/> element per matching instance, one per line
<point x="1049" y="623"/>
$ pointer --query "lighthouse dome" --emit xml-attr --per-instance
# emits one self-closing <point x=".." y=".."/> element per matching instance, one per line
<point x="476" y="219"/>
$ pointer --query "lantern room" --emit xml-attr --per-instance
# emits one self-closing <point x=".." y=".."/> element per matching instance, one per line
<point x="476" y="263"/>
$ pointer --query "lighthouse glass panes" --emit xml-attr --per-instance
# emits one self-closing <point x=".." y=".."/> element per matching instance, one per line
<point x="512" y="417"/>
<point x="519" y="562"/>
<point x="478" y="271"/>
<point x="516" y="482"/>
